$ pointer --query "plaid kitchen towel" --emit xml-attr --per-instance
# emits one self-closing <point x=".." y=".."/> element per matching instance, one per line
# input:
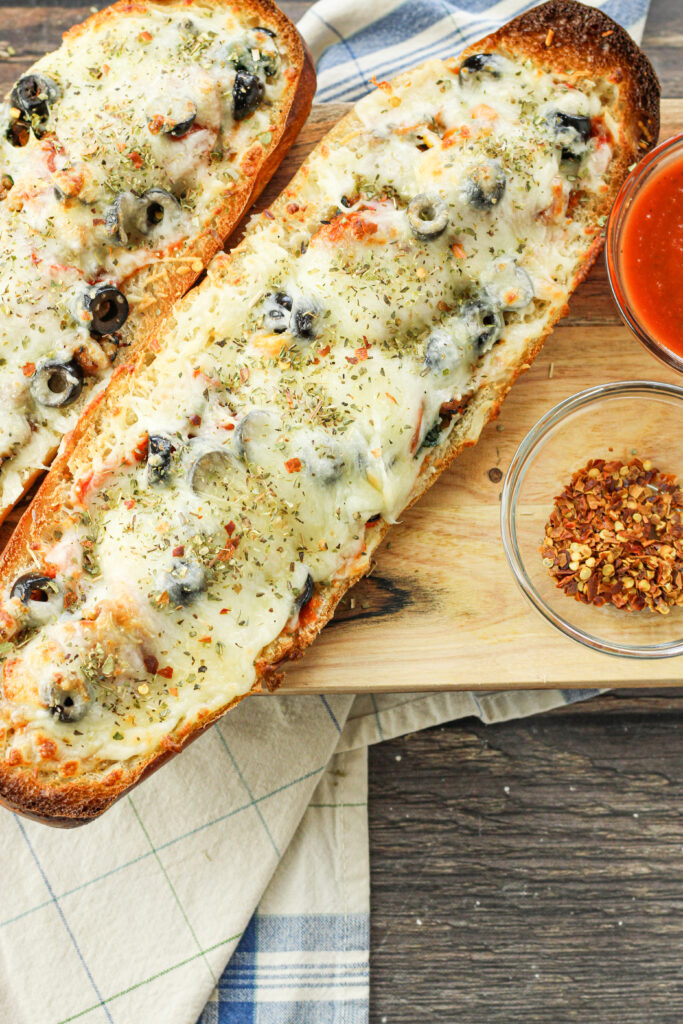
<point x="233" y="886"/>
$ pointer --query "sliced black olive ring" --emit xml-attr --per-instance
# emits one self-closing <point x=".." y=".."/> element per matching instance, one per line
<point x="485" y="186"/>
<point x="478" y="65"/>
<point x="56" y="384"/>
<point x="254" y="426"/>
<point x="442" y="354"/>
<point x="33" y="586"/>
<point x="326" y="465"/>
<point x="484" y="320"/>
<point x="159" y="453"/>
<point x="130" y="216"/>
<point x="572" y="132"/>
<point x="181" y="128"/>
<point x="247" y="93"/>
<point x="184" y="583"/>
<point x="32" y="96"/>
<point x="108" y="307"/>
<point x="277" y="316"/>
<point x="305" y="313"/>
<point x="305" y="596"/>
<point x="65" y="705"/>
<point x="427" y="216"/>
<point x="209" y="467"/>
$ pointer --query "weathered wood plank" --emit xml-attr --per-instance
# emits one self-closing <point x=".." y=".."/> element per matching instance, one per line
<point x="529" y="872"/>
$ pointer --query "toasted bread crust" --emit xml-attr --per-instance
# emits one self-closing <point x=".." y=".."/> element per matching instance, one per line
<point x="589" y="43"/>
<point x="259" y="165"/>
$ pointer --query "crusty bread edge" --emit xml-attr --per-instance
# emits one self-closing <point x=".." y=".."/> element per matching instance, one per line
<point x="581" y="33"/>
<point x="296" y="105"/>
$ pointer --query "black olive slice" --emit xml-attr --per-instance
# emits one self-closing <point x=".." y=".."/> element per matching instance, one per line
<point x="247" y="93"/>
<point x="305" y="596"/>
<point x="34" y="94"/>
<point x="324" y="460"/>
<point x="159" y="453"/>
<point x="130" y="216"/>
<point x="185" y="582"/>
<point x="572" y="132"/>
<point x="253" y="427"/>
<point x="485" y="322"/>
<point x="159" y="207"/>
<point x="480" y="65"/>
<point x="485" y="186"/>
<point x="278" y="307"/>
<point x="65" y="705"/>
<point x="33" y="586"/>
<point x="442" y="354"/>
<point x="56" y="384"/>
<point x="179" y="130"/>
<point x="208" y="469"/>
<point x="305" y="313"/>
<point x="268" y="31"/>
<point x="109" y="309"/>
<point x="427" y="216"/>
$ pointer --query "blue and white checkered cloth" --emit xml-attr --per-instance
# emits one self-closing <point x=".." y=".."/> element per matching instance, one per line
<point x="233" y="886"/>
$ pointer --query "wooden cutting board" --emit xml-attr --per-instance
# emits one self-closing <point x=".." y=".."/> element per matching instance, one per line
<point x="440" y="610"/>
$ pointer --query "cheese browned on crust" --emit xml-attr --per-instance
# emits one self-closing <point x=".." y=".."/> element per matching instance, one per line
<point x="126" y="158"/>
<point x="212" y="507"/>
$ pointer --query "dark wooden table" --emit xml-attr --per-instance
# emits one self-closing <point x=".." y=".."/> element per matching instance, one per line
<point x="528" y="872"/>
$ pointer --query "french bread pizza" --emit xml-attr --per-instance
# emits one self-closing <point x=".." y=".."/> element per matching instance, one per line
<point x="127" y="156"/>
<point x="210" y="509"/>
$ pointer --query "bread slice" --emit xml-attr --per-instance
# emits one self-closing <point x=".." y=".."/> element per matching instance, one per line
<point x="126" y="159"/>
<point x="211" y="508"/>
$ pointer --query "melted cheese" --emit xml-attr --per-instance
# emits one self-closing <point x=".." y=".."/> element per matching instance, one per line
<point x="297" y="396"/>
<point x="119" y="86"/>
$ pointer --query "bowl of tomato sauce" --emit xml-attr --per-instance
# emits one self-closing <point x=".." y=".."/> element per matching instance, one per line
<point x="644" y="251"/>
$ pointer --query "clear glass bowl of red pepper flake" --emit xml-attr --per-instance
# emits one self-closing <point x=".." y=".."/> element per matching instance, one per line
<point x="592" y="518"/>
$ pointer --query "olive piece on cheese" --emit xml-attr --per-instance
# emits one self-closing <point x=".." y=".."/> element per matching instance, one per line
<point x="484" y="321"/>
<point x="511" y="287"/>
<point x="33" y="586"/>
<point x="572" y="132"/>
<point x="159" y="207"/>
<point x="485" y="186"/>
<point x="178" y="129"/>
<point x="306" y="594"/>
<point x="324" y="460"/>
<point x="277" y="316"/>
<point x="428" y="216"/>
<point x="208" y="469"/>
<point x="442" y="354"/>
<point x="479" y="65"/>
<point x="305" y="313"/>
<point x="184" y="583"/>
<point x="65" y="705"/>
<point x="252" y="430"/>
<point x="159" y="453"/>
<point x="33" y="95"/>
<point x="247" y="93"/>
<point x="108" y="308"/>
<point x="56" y="384"/>
<point x="131" y="216"/>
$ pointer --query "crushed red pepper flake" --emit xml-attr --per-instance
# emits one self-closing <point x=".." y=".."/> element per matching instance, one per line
<point x="615" y="536"/>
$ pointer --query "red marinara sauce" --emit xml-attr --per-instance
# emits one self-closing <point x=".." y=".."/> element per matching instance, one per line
<point x="651" y="255"/>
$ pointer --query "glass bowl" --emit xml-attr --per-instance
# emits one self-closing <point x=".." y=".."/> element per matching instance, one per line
<point x="611" y="421"/>
<point x="672" y="149"/>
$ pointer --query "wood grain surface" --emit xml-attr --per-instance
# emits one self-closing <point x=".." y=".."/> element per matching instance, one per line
<point x="518" y="894"/>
